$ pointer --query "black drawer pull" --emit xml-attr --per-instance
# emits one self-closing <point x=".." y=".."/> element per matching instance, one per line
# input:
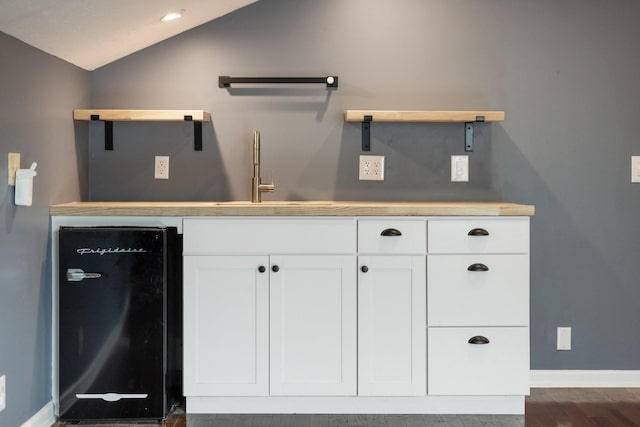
<point x="275" y="268"/>
<point x="478" y="339"/>
<point x="478" y="267"/>
<point x="364" y="268"/>
<point x="391" y="232"/>
<point x="261" y="269"/>
<point x="478" y="232"/>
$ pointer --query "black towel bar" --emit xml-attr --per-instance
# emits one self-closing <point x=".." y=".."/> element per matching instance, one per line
<point x="226" y="81"/>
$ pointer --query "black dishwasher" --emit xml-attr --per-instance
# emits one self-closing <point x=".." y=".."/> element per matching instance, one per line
<point x="119" y="318"/>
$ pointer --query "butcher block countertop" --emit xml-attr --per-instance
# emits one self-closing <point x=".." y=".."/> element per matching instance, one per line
<point x="292" y="208"/>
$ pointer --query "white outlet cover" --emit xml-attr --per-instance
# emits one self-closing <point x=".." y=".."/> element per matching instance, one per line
<point x="564" y="338"/>
<point x="635" y="168"/>
<point x="371" y="168"/>
<point x="161" y="170"/>
<point x="3" y="392"/>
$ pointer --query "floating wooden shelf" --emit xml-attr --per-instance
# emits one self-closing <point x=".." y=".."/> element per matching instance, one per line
<point x="434" y="116"/>
<point x="110" y="116"/>
<point x="423" y="116"/>
<point x="143" y="115"/>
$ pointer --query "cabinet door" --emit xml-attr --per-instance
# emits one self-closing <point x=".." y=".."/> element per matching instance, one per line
<point x="226" y="326"/>
<point x="392" y="326"/>
<point x="313" y="325"/>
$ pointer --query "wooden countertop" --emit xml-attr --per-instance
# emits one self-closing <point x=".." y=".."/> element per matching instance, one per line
<point x="292" y="208"/>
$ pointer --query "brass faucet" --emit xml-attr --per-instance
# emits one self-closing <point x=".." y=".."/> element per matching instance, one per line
<point x="257" y="187"/>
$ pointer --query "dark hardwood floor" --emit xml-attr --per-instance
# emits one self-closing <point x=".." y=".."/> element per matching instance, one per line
<point x="577" y="407"/>
<point x="602" y="407"/>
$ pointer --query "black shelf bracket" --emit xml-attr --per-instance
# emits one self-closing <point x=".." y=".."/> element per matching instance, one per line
<point x="366" y="133"/>
<point x="468" y="133"/>
<point x="108" y="132"/>
<point x="227" y="81"/>
<point x="197" y="133"/>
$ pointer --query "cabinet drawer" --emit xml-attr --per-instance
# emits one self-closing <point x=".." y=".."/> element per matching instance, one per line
<point x="504" y="235"/>
<point x="487" y="290"/>
<point x="232" y="236"/>
<point x="456" y="367"/>
<point x="392" y="236"/>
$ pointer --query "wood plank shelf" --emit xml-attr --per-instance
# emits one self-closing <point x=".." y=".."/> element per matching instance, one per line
<point x="423" y="116"/>
<point x="432" y="116"/>
<point x="143" y="115"/>
<point x="110" y="116"/>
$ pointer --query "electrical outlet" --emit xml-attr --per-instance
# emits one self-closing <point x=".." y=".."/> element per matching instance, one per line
<point x="162" y="167"/>
<point x="14" y="165"/>
<point x="564" y="338"/>
<point x="3" y="392"/>
<point x="635" y="168"/>
<point x="371" y="168"/>
<point x="460" y="168"/>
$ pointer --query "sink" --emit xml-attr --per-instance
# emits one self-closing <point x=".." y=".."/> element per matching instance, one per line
<point x="281" y="203"/>
<point x="298" y="203"/>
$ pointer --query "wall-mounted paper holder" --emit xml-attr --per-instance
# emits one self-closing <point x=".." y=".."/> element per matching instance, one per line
<point x="24" y="185"/>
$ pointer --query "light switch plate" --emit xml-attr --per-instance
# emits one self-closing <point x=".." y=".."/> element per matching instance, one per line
<point x="14" y="165"/>
<point x="635" y="168"/>
<point x="564" y="338"/>
<point x="460" y="168"/>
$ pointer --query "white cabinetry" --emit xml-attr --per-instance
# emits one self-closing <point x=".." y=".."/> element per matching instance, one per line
<point x="226" y="319"/>
<point x="391" y="308"/>
<point x="313" y="325"/>
<point x="245" y="294"/>
<point x="478" y="305"/>
<point x="356" y="315"/>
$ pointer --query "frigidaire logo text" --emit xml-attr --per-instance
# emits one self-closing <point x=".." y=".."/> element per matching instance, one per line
<point x="101" y="251"/>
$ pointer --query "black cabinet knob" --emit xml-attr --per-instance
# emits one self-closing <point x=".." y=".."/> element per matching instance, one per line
<point x="262" y="269"/>
<point x="364" y="268"/>
<point x="275" y="268"/>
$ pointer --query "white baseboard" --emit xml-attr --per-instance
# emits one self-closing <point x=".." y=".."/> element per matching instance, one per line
<point x="43" y="418"/>
<point x="570" y="379"/>
<point x="512" y="405"/>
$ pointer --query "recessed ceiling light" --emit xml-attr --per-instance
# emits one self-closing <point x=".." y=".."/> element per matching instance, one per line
<point x="173" y="15"/>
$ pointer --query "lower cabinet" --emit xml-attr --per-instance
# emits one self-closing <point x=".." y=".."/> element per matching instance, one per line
<point x="286" y="314"/>
<point x="392" y="326"/>
<point x="478" y="305"/>
<point x="226" y="325"/>
<point x="313" y="325"/>
<point x="260" y="325"/>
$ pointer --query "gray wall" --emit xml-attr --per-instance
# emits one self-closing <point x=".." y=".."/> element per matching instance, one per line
<point x="565" y="72"/>
<point x="38" y="94"/>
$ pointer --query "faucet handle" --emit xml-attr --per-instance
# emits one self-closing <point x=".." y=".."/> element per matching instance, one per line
<point x="267" y="187"/>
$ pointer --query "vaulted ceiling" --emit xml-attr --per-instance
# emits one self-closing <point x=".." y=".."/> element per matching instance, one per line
<point x="92" y="33"/>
